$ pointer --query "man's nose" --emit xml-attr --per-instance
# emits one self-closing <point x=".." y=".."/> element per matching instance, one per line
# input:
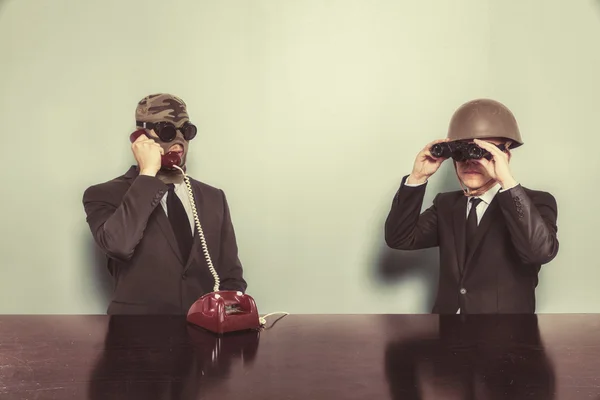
<point x="179" y="137"/>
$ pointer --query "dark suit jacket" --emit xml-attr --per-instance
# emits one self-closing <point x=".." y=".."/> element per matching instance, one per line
<point x="150" y="275"/>
<point x="516" y="235"/>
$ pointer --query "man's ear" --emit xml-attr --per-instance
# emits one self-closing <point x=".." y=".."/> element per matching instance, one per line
<point x="507" y="149"/>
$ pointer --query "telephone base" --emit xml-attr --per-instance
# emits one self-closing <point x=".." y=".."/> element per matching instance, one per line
<point x="224" y="311"/>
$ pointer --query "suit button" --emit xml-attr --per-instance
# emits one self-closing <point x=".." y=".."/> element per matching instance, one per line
<point x="184" y="276"/>
<point x="463" y="290"/>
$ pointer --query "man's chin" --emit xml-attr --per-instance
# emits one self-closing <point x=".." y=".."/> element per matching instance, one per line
<point x="472" y="184"/>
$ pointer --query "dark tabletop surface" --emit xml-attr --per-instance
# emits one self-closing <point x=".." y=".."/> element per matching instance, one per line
<point x="302" y="357"/>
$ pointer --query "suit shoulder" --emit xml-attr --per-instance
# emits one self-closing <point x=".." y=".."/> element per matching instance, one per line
<point x="534" y="192"/>
<point x="210" y="193"/>
<point x="205" y="187"/>
<point x="106" y="189"/>
<point x="540" y="195"/>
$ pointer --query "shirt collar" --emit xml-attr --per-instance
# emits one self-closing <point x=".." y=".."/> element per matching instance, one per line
<point x="488" y="196"/>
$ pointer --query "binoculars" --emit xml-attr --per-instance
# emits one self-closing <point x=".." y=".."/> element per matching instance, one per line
<point x="461" y="151"/>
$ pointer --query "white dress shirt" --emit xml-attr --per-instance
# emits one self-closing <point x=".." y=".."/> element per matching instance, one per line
<point x="486" y="198"/>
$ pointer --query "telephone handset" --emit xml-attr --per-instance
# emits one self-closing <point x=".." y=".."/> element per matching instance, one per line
<point x="168" y="161"/>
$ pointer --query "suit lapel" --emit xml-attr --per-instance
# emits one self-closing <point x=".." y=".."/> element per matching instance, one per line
<point x="196" y="246"/>
<point x="197" y="253"/>
<point x="460" y="225"/>
<point x="160" y="216"/>
<point x="165" y="226"/>
<point x="484" y="225"/>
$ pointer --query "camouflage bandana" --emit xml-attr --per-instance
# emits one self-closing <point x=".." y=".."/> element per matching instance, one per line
<point x="162" y="107"/>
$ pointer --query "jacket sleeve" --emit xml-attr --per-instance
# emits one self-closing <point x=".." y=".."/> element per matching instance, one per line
<point x="231" y="272"/>
<point x="118" y="224"/>
<point x="406" y="228"/>
<point x="531" y="223"/>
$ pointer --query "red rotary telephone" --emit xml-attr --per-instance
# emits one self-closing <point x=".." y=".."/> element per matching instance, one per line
<point x="224" y="311"/>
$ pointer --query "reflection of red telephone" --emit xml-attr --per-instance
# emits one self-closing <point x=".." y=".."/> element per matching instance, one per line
<point x="168" y="160"/>
<point x="224" y="311"/>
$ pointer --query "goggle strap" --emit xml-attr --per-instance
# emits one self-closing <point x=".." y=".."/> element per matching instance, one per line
<point x="143" y="124"/>
<point x="153" y="124"/>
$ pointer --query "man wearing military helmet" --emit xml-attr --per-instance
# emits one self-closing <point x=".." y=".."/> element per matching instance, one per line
<point x="145" y="220"/>
<point x="495" y="234"/>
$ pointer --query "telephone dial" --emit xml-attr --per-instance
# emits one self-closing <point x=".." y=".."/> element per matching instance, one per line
<point x="220" y="311"/>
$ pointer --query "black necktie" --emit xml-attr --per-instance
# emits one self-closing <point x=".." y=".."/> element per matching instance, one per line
<point x="472" y="222"/>
<point x="179" y="222"/>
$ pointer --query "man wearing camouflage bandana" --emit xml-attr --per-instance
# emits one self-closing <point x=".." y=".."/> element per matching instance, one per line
<point x="132" y="221"/>
<point x="165" y="108"/>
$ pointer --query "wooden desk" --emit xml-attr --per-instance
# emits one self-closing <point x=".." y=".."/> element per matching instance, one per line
<point x="308" y="357"/>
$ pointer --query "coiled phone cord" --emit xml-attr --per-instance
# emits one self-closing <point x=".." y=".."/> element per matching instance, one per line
<point x="263" y="319"/>
<point x="200" y="231"/>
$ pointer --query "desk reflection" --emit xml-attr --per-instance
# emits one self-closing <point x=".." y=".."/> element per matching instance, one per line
<point x="157" y="358"/>
<point x="472" y="357"/>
